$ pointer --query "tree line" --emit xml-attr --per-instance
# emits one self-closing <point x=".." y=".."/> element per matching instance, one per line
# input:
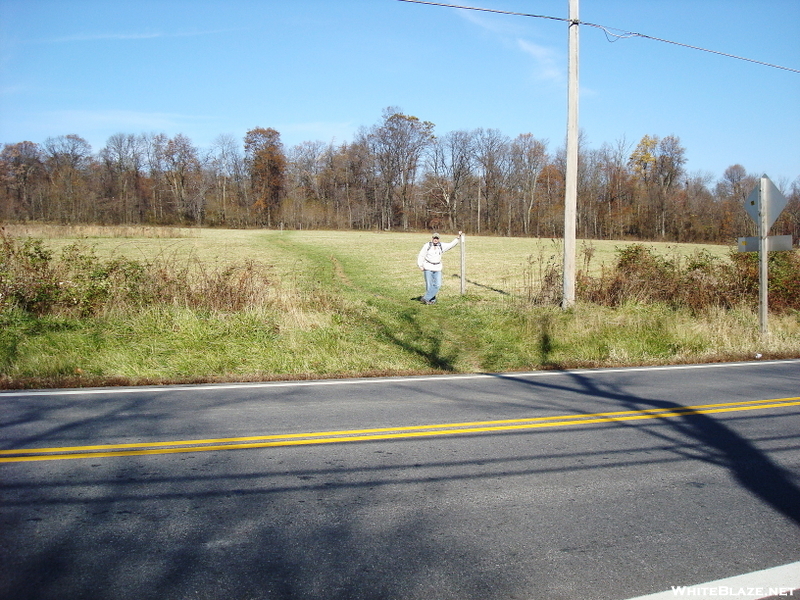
<point x="395" y="175"/>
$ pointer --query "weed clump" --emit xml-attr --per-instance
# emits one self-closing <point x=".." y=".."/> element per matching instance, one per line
<point x="698" y="282"/>
<point x="78" y="283"/>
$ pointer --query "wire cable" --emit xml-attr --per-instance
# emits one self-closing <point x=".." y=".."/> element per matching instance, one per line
<point x="752" y="60"/>
<point x="491" y="10"/>
<point x="609" y="31"/>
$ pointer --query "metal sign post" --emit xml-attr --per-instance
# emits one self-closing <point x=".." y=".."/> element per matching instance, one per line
<point x="463" y="264"/>
<point x="764" y="205"/>
<point x="763" y="259"/>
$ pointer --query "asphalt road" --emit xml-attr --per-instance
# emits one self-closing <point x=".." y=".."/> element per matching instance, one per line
<point x="597" y="484"/>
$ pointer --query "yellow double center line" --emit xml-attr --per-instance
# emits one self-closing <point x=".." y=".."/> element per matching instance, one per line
<point x="384" y="433"/>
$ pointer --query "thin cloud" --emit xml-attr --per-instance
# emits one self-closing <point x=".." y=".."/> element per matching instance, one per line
<point x="493" y="24"/>
<point x="548" y="65"/>
<point x="13" y="90"/>
<point x="95" y="37"/>
<point x="546" y="60"/>
<point x="121" y="36"/>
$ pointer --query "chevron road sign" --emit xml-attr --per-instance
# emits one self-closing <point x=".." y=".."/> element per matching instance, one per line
<point x="764" y="204"/>
<point x="767" y="197"/>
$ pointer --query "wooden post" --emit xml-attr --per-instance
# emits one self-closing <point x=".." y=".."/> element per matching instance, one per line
<point x="571" y="187"/>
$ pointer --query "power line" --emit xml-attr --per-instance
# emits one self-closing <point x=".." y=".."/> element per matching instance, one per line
<point x="491" y="10"/>
<point x="609" y="31"/>
<point x="630" y="34"/>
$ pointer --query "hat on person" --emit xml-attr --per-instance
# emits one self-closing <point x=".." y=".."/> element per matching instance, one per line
<point x="435" y="236"/>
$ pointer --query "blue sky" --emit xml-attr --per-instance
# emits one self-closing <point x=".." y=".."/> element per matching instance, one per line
<point x="320" y="69"/>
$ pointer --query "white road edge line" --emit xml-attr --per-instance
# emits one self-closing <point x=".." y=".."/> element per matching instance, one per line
<point x="372" y="380"/>
<point x="778" y="581"/>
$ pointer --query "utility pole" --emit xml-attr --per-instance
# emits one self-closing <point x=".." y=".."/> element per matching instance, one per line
<point x="571" y="188"/>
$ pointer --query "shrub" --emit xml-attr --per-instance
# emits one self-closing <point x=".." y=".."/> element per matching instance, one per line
<point x="698" y="282"/>
<point x="27" y="278"/>
<point x="784" y="278"/>
<point x="78" y="283"/>
<point x="639" y="275"/>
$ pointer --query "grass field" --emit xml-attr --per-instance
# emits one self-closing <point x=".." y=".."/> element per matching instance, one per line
<point x="299" y="304"/>
<point x="493" y="263"/>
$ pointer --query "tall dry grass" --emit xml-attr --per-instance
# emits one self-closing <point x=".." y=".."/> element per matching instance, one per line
<point x="54" y="231"/>
<point x="76" y="282"/>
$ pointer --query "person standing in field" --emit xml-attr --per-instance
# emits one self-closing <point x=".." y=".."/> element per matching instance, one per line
<point x="429" y="260"/>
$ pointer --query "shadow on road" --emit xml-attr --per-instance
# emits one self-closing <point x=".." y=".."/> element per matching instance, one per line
<point x="711" y="441"/>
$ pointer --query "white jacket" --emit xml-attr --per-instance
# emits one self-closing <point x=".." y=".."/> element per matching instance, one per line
<point x="430" y="257"/>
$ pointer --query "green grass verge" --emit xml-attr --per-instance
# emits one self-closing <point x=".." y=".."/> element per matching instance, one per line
<point x="339" y="304"/>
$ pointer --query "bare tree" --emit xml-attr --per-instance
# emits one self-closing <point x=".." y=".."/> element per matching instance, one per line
<point x="123" y="161"/>
<point x="618" y="192"/>
<point x="658" y="164"/>
<point x="528" y="158"/>
<point x="398" y="143"/>
<point x="67" y="160"/>
<point x="732" y="191"/>
<point x="450" y="171"/>
<point x="183" y="167"/>
<point x="229" y="172"/>
<point x="21" y="171"/>
<point x="492" y="155"/>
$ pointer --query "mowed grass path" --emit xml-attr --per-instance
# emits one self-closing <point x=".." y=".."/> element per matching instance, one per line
<point x="341" y="304"/>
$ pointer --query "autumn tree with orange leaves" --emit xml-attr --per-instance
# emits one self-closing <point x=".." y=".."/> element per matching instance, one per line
<point x="267" y="165"/>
